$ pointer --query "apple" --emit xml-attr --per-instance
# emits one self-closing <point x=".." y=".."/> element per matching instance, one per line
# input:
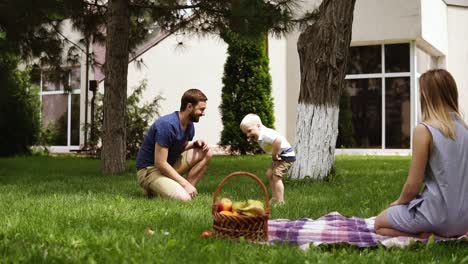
<point x="225" y="204"/>
<point x="149" y="232"/>
<point x="206" y="233"/>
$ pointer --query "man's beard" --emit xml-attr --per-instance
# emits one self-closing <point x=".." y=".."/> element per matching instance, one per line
<point x="194" y="118"/>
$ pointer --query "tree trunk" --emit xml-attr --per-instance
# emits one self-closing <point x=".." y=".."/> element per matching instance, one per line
<point x="323" y="53"/>
<point x="115" y="91"/>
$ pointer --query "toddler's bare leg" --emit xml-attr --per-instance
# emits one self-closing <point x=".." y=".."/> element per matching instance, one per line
<point x="277" y="188"/>
<point x="269" y="174"/>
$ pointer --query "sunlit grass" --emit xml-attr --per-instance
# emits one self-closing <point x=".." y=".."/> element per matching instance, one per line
<point x="62" y="210"/>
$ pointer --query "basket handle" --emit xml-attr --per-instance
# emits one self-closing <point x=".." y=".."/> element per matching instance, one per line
<point x="242" y="173"/>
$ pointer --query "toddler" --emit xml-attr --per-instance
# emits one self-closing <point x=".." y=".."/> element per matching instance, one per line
<point x="273" y="143"/>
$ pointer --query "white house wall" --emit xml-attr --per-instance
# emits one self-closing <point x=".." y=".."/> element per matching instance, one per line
<point x="376" y="21"/>
<point x="457" y="57"/>
<point x="293" y="78"/>
<point x="434" y="26"/>
<point x="278" y="67"/>
<point x="171" y="70"/>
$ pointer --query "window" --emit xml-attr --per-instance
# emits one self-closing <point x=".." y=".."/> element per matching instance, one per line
<point x="61" y="107"/>
<point x="375" y="108"/>
<point x="397" y="112"/>
<point x="366" y="108"/>
<point x="366" y="59"/>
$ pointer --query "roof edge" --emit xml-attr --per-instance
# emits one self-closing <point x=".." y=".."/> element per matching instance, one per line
<point x="462" y="3"/>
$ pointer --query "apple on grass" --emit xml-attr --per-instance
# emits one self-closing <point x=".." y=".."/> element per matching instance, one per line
<point x="206" y="233"/>
<point x="225" y="204"/>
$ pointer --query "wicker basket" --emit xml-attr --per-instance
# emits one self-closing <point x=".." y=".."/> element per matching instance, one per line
<point x="253" y="228"/>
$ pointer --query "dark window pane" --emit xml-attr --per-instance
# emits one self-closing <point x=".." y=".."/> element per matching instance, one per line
<point x="345" y="124"/>
<point x="365" y="59"/>
<point x="397" y="58"/>
<point x="397" y="112"/>
<point x="75" y="77"/>
<point x="365" y="109"/>
<point x="54" y="117"/>
<point x="75" y="120"/>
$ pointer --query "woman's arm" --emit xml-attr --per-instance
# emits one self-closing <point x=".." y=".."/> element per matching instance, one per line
<point x="422" y="141"/>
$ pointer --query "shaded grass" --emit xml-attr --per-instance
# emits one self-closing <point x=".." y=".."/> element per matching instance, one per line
<point x="61" y="209"/>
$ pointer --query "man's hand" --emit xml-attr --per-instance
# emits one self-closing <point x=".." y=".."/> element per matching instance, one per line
<point x="192" y="191"/>
<point x="397" y="202"/>
<point x="200" y="144"/>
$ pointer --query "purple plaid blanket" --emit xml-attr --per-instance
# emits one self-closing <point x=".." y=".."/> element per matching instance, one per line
<point x="334" y="228"/>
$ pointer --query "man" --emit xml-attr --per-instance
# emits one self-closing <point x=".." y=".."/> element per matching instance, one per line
<point x="168" y="152"/>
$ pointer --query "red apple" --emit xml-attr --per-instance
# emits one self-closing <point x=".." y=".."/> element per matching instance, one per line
<point x="206" y="233"/>
<point x="225" y="204"/>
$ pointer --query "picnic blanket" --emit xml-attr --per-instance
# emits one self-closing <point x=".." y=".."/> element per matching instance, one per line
<point x="335" y="228"/>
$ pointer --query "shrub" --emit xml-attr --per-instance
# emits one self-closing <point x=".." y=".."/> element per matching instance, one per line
<point x="246" y="89"/>
<point x="47" y="136"/>
<point x="19" y="109"/>
<point x="137" y="120"/>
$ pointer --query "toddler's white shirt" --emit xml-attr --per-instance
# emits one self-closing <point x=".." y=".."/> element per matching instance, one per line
<point x="268" y="136"/>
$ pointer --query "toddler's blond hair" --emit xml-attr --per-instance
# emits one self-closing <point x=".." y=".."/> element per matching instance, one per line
<point x="250" y="119"/>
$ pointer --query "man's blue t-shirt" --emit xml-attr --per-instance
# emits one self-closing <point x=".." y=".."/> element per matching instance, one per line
<point x="167" y="132"/>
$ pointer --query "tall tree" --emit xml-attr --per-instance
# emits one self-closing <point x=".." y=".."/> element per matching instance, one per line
<point x="323" y="52"/>
<point x="115" y="87"/>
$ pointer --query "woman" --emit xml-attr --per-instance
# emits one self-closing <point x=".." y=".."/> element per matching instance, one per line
<point x="440" y="161"/>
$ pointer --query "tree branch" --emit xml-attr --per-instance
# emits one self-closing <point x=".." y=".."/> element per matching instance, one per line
<point x="67" y="39"/>
<point x="167" y="7"/>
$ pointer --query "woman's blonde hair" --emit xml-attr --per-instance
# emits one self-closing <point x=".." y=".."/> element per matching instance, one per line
<point x="439" y="100"/>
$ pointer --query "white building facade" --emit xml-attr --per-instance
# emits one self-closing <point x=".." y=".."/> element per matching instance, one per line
<point x="393" y="43"/>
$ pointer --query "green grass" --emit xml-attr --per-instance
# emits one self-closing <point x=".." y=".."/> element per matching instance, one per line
<point x="60" y="209"/>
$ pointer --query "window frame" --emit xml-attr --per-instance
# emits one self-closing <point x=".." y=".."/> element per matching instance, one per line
<point x="382" y="76"/>
<point x="69" y="93"/>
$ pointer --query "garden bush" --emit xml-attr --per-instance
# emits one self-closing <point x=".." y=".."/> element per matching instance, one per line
<point x="19" y="109"/>
<point x="138" y="119"/>
<point x="246" y="89"/>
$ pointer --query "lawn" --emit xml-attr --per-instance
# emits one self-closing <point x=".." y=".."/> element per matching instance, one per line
<point x="60" y="209"/>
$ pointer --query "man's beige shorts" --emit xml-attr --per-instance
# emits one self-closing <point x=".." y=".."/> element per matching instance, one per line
<point x="280" y="167"/>
<point x="153" y="182"/>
